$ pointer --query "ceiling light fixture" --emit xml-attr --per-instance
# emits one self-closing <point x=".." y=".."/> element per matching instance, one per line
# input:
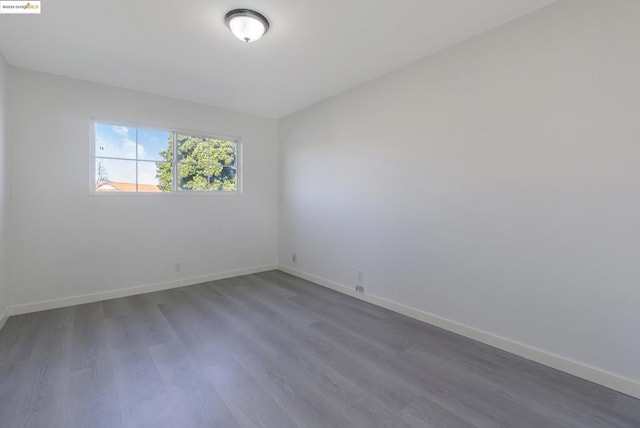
<point x="246" y="24"/>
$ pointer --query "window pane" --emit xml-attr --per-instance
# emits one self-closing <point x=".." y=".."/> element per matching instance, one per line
<point x="228" y="182"/>
<point x="192" y="149"/>
<point x="191" y="177"/>
<point x="155" y="145"/>
<point x="206" y="164"/>
<point x="149" y="174"/>
<point x="115" y="141"/>
<point x="163" y="173"/>
<point x="115" y="175"/>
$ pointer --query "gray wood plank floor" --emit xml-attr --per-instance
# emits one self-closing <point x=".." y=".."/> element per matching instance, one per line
<point x="272" y="350"/>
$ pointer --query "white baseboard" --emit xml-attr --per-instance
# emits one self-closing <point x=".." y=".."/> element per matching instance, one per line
<point x="593" y="374"/>
<point x="131" y="291"/>
<point x="4" y="316"/>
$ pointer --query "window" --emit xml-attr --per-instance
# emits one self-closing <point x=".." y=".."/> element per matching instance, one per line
<point x="142" y="160"/>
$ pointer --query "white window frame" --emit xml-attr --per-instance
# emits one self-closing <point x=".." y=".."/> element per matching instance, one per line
<point x="174" y="192"/>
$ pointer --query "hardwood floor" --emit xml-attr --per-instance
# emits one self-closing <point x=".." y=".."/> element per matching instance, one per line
<point x="272" y="350"/>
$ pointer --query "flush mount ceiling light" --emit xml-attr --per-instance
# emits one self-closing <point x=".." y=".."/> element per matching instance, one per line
<point x="246" y="24"/>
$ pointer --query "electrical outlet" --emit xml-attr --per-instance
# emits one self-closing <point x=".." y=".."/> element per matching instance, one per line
<point x="178" y="266"/>
<point x="360" y="275"/>
<point x="360" y="288"/>
<point x="294" y="257"/>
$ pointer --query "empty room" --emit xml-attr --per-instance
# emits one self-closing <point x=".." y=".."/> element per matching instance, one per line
<point x="320" y="214"/>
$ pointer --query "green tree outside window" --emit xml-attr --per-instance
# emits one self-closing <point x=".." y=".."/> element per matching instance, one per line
<point x="204" y="164"/>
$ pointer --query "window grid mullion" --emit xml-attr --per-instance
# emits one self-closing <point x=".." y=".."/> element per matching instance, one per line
<point x="208" y="143"/>
<point x="136" y="160"/>
<point x="174" y="168"/>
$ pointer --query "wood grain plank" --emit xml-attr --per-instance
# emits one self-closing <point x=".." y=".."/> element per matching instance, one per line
<point x="272" y="350"/>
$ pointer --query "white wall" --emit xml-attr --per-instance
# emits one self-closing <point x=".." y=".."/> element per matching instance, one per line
<point x="69" y="243"/>
<point x="5" y="192"/>
<point x="494" y="185"/>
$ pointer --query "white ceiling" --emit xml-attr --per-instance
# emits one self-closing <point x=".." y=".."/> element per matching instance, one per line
<point x="182" y="49"/>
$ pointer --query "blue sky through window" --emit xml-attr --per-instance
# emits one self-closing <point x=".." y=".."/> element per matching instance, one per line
<point x="122" y="142"/>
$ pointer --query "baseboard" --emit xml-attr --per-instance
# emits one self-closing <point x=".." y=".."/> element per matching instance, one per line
<point x="593" y="374"/>
<point x="132" y="291"/>
<point x="4" y="316"/>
